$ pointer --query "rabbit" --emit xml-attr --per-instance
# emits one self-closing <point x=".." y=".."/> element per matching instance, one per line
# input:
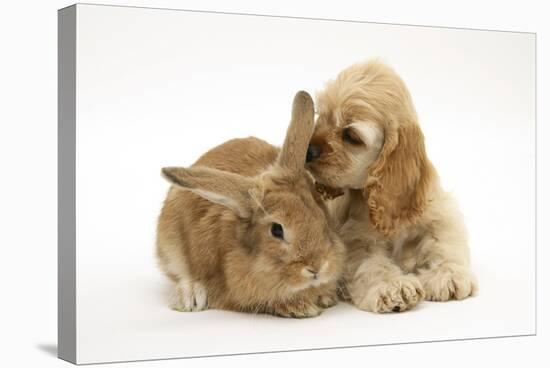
<point x="243" y="229"/>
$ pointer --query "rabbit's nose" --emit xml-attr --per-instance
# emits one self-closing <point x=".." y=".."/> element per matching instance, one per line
<point x="312" y="273"/>
<point x="313" y="151"/>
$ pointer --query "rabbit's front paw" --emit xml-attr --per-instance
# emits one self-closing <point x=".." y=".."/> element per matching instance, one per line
<point x="327" y="300"/>
<point x="326" y="295"/>
<point x="189" y="297"/>
<point x="395" y="295"/>
<point x="297" y="309"/>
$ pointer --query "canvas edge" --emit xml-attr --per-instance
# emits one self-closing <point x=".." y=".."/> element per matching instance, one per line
<point x="66" y="186"/>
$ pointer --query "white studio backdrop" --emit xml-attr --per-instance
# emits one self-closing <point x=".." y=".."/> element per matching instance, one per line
<point x="159" y="87"/>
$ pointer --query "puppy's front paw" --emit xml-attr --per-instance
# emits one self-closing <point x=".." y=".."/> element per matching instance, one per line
<point x="446" y="283"/>
<point x="396" y="295"/>
<point x="297" y="309"/>
<point x="188" y="297"/>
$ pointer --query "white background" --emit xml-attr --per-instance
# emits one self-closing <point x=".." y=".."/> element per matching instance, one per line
<point x="158" y="88"/>
<point x="30" y="277"/>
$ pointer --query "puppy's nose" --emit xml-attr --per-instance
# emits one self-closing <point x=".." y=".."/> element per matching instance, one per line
<point x="313" y="151"/>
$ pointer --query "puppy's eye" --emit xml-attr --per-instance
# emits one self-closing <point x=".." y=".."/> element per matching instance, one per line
<point x="277" y="230"/>
<point x="351" y="137"/>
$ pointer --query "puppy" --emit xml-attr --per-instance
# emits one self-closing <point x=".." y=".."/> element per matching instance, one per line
<point x="405" y="235"/>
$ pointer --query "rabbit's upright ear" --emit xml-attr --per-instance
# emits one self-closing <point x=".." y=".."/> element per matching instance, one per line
<point x="298" y="135"/>
<point x="221" y="187"/>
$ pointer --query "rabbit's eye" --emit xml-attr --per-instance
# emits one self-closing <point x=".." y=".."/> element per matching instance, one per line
<point x="277" y="230"/>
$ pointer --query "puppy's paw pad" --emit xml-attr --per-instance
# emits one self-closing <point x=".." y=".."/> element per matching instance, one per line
<point x="397" y="295"/>
<point x="189" y="297"/>
<point x="446" y="284"/>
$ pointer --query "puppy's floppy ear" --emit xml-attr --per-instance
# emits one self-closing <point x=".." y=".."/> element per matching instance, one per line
<point x="398" y="182"/>
<point x="217" y="186"/>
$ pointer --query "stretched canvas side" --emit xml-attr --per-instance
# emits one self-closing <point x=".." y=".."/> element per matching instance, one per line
<point x="66" y="184"/>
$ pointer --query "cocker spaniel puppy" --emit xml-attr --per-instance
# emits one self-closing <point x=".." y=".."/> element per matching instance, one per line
<point x="405" y="235"/>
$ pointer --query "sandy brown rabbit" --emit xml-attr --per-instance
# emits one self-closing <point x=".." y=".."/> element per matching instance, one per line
<point x="243" y="229"/>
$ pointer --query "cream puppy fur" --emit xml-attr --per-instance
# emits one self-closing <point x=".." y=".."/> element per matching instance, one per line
<point x="405" y="235"/>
